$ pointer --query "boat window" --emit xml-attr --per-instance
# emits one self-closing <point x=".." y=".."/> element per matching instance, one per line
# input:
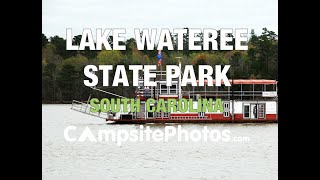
<point x="226" y="114"/>
<point x="226" y="108"/>
<point x="226" y="105"/>
<point x="173" y="89"/>
<point x="246" y="112"/>
<point x="261" y="111"/>
<point x="201" y="114"/>
<point x="163" y="88"/>
<point x="150" y="114"/>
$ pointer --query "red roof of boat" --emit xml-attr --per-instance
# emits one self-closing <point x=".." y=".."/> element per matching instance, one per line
<point x="246" y="81"/>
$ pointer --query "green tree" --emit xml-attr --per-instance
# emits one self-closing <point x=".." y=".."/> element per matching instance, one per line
<point x="49" y="82"/>
<point x="76" y="40"/>
<point x="60" y="45"/>
<point x="200" y="60"/>
<point x="61" y="48"/>
<point x="235" y="63"/>
<point x="67" y="81"/>
<point x="186" y="42"/>
<point x="264" y="54"/>
<point x="50" y="55"/>
<point x="130" y="45"/>
<point x="77" y="61"/>
<point x="110" y="57"/>
<point x="44" y="40"/>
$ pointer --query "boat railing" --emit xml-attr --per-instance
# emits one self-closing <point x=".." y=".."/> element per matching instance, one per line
<point x="188" y="117"/>
<point x="85" y="108"/>
<point x="236" y="95"/>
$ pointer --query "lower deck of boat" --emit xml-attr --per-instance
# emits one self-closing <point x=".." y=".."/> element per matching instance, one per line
<point x="144" y="121"/>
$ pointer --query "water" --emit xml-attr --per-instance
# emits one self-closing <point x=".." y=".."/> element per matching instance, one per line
<point x="255" y="159"/>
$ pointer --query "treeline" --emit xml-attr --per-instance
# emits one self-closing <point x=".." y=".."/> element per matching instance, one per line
<point x="62" y="70"/>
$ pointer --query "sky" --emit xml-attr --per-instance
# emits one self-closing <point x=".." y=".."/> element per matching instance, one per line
<point x="58" y="15"/>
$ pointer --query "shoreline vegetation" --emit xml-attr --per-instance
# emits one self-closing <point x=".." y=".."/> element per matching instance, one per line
<point x="62" y="70"/>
